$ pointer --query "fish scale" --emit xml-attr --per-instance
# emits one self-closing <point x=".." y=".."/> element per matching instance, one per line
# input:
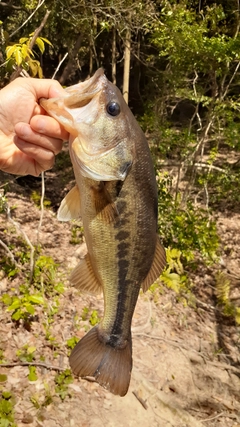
<point x="116" y="196"/>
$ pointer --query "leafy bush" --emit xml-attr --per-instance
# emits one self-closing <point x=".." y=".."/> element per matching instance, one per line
<point x="7" y="410"/>
<point x="187" y="228"/>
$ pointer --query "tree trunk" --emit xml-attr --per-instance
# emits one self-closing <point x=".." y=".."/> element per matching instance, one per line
<point x="127" y="57"/>
<point x="90" y="59"/>
<point x="71" y="65"/>
<point x="114" y="59"/>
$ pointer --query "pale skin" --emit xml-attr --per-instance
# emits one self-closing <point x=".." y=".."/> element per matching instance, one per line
<point x="29" y="138"/>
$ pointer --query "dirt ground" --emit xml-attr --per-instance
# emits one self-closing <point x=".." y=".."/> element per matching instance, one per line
<point x="186" y="361"/>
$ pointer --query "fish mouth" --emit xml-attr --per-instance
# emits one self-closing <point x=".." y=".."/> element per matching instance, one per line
<point x="75" y="97"/>
<point x="81" y="94"/>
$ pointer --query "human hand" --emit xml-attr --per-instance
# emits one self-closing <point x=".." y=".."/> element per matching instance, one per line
<point x="29" y="139"/>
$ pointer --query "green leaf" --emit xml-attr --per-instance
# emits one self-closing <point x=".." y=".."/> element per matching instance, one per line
<point x="23" y="40"/>
<point x="32" y="376"/>
<point x="46" y="41"/>
<point x="6" y="299"/>
<point x="16" y="304"/>
<point x="31" y="349"/>
<point x="6" y="395"/>
<point x="29" y="307"/>
<point x="25" y="51"/>
<point x="36" y="299"/>
<point x="10" y="50"/>
<point x="39" y="42"/>
<point x="34" y="66"/>
<point x="172" y="280"/>
<point x="18" y="57"/>
<point x="3" y="378"/>
<point x="17" y="315"/>
<point x="5" y="423"/>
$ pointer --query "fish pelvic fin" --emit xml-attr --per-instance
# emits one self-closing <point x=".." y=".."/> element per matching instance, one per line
<point x="157" y="266"/>
<point x="70" y="206"/>
<point x="83" y="277"/>
<point x="111" y="367"/>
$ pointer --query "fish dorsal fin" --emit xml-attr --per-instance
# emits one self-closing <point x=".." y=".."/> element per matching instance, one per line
<point x="157" y="266"/>
<point x="83" y="277"/>
<point x="70" y="206"/>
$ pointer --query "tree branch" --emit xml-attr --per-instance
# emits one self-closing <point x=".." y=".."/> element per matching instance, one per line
<point x="12" y="6"/>
<point x="19" y="69"/>
<point x="28" y="19"/>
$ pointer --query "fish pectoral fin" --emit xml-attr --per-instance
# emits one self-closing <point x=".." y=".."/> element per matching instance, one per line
<point x="157" y="266"/>
<point x="83" y="277"/>
<point x="111" y="367"/>
<point x="70" y="206"/>
<point x="104" y="206"/>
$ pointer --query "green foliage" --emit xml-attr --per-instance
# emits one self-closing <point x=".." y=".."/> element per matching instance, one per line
<point x="206" y="49"/>
<point x="92" y="317"/>
<point x="76" y="234"/>
<point x="223" y="291"/>
<point x="188" y="228"/>
<point x="173" y="276"/>
<point x="20" y="54"/>
<point x="3" y="203"/>
<point x="3" y="378"/>
<point x="40" y="402"/>
<point x="45" y="271"/>
<point x="7" y="410"/>
<point x="32" y="376"/>
<point x="62" y="381"/>
<point x="26" y="353"/>
<point x="23" y="305"/>
<point x="8" y="267"/>
<point x="71" y="342"/>
<point x="36" y="198"/>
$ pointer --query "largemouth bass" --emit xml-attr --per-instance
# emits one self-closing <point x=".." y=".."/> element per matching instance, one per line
<point x="116" y="197"/>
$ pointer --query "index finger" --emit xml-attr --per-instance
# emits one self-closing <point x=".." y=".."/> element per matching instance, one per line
<point x="48" y="126"/>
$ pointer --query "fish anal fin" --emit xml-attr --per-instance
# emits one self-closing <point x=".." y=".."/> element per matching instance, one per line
<point x="110" y="366"/>
<point x="157" y="266"/>
<point x="70" y="207"/>
<point x="83" y="277"/>
<point x="104" y="206"/>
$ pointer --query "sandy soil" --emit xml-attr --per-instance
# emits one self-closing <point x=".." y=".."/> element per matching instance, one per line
<point x="186" y="363"/>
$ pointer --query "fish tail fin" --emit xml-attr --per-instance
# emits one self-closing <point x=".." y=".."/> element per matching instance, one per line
<point x="111" y="367"/>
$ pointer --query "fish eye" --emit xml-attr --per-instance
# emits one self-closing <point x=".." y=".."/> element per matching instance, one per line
<point x="113" y="108"/>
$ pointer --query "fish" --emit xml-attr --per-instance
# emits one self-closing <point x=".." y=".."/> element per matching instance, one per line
<point x="116" y="197"/>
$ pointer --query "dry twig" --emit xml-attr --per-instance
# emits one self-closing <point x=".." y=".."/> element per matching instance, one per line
<point x="28" y="19"/>
<point x="40" y="364"/>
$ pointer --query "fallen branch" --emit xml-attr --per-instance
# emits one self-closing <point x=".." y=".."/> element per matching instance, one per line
<point x="40" y="364"/>
<point x="143" y="402"/>
<point x="9" y="253"/>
